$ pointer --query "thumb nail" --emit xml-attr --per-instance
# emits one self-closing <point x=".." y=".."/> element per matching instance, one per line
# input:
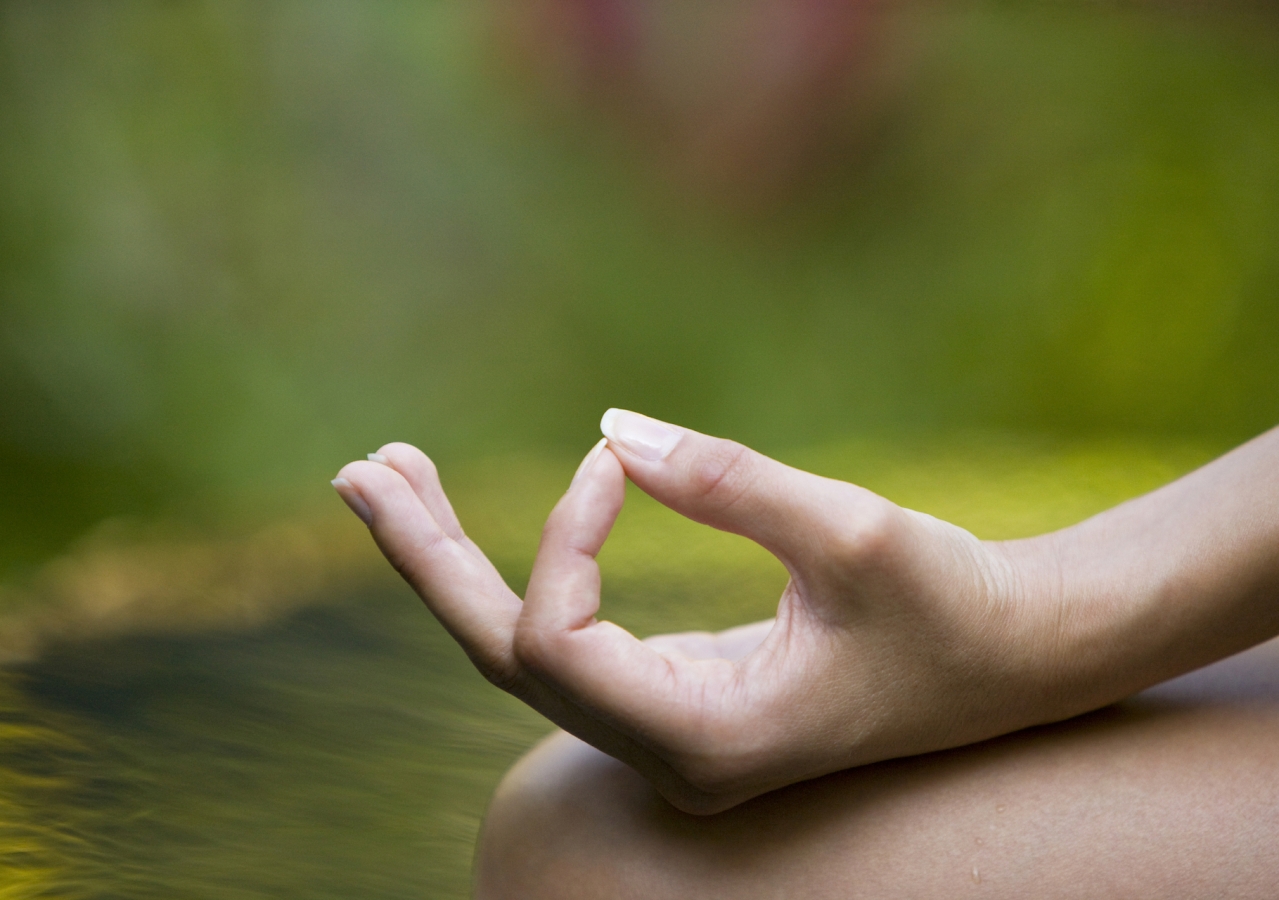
<point x="644" y="437"/>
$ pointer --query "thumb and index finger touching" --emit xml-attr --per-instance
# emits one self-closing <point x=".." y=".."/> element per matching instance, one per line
<point x="713" y="481"/>
<point x="710" y="480"/>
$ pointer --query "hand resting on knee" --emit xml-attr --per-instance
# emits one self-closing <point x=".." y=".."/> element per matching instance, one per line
<point x="897" y="634"/>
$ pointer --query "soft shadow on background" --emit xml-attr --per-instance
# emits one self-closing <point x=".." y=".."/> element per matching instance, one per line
<point x="1009" y="263"/>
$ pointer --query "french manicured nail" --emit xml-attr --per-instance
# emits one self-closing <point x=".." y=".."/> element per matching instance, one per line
<point x="585" y="465"/>
<point x="378" y="458"/>
<point x="646" y="438"/>
<point x="347" y="492"/>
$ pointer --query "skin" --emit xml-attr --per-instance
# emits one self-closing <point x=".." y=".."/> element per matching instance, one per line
<point x="1171" y="794"/>
<point x="898" y="634"/>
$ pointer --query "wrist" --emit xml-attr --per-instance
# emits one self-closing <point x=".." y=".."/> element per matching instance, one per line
<point x="1090" y="633"/>
<point x="1127" y="609"/>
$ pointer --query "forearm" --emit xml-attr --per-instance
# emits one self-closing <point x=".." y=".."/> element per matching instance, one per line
<point x="1172" y="580"/>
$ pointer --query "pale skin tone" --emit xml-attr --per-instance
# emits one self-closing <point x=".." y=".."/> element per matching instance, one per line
<point x="1171" y="795"/>
<point x="898" y="634"/>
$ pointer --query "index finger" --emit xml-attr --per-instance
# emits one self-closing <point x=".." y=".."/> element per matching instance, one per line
<point x="660" y="699"/>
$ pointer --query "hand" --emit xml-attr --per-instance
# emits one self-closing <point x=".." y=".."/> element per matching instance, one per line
<point x="897" y="634"/>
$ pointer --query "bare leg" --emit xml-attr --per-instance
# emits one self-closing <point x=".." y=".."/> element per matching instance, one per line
<point x="1174" y="793"/>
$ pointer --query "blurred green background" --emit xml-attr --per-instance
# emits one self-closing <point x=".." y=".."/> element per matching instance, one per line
<point x="1008" y="262"/>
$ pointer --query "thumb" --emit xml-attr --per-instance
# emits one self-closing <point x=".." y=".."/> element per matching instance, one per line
<point x="795" y="515"/>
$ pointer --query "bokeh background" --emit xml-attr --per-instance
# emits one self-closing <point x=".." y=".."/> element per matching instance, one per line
<point x="1008" y="262"/>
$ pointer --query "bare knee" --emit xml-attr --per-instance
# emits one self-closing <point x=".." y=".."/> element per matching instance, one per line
<point x="563" y="825"/>
<point x="1190" y="768"/>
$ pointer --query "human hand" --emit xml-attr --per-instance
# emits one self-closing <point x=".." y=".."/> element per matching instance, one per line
<point x="897" y="634"/>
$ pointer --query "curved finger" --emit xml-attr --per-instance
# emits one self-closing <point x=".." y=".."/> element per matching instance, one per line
<point x="564" y="586"/>
<point x="464" y="592"/>
<point x="481" y="614"/>
<point x="420" y="472"/>
<point x="597" y="664"/>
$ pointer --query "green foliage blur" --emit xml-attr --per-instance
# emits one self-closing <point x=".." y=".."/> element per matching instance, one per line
<point x="243" y="243"/>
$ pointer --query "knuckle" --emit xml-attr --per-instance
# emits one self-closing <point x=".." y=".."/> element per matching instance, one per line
<point x="501" y="672"/>
<point x="712" y="783"/>
<point x="532" y="647"/>
<point x="695" y="802"/>
<point x="706" y="775"/>
<point x="712" y="760"/>
<point x="723" y="473"/>
<point x="869" y="533"/>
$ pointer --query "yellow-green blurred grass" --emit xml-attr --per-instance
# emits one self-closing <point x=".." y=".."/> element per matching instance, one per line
<point x="137" y="577"/>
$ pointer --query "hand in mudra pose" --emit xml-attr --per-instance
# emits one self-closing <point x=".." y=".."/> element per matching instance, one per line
<point x="897" y="634"/>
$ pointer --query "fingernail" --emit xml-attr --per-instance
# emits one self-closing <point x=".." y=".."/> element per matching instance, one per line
<point x="646" y="438"/>
<point x="348" y="493"/>
<point x="585" y="464"/>
<point x="378" y="458"/>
